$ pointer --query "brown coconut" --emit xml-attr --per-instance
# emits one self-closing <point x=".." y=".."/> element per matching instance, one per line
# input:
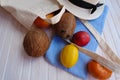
<point x="66" y="26"/>
<point x="36" y="43"/>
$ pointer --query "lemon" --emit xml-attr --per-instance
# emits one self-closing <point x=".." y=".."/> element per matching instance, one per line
<point x="69" y="56"/>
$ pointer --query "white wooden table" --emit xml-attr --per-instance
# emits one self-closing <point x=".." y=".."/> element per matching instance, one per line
<point x="16" y="65"/>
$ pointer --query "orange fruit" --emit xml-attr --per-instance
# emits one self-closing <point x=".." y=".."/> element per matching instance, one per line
<point x="39" y="22"/>
<point x="98" y="71"/>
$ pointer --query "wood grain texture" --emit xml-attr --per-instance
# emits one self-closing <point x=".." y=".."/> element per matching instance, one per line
<point x="15" y="64"/>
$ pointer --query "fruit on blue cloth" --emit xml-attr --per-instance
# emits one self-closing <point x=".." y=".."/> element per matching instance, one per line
<point x="69" y="56"/>
<point x="81" y="38"/>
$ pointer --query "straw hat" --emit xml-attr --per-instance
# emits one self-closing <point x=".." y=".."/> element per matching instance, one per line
<point x="84" y="9"/>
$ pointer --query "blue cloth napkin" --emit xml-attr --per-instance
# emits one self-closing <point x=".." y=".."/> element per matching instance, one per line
<point x="57" y="44"/>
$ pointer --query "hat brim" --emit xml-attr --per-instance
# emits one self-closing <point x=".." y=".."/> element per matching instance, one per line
<point x="81" y="12"/>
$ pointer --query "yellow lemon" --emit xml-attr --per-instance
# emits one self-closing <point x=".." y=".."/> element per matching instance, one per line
<point x="69" y="56"/>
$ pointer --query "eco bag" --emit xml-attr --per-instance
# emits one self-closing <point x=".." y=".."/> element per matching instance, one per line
<point x="26" y="11"/>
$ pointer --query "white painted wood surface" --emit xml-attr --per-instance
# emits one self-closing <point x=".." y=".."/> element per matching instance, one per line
<point x="16" y="65"/>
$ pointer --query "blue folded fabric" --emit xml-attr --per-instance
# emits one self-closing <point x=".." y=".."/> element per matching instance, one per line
<point x="57" y="44"/>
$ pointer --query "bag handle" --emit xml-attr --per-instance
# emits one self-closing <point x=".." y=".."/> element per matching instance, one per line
<point x="103" y="61"/>
<point x="103" y="45"/>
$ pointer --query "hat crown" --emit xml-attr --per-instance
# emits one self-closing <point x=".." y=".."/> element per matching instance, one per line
<point x="92" y="1"/>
